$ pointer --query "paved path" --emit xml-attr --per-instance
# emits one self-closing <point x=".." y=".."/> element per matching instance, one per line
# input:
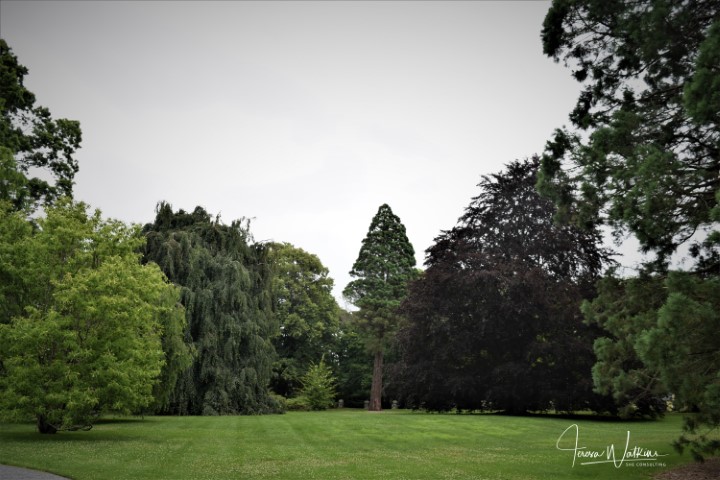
<point x="16" y="473"/>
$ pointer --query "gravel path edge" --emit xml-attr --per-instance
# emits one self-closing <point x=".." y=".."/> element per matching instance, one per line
<point x="8" y="472"/>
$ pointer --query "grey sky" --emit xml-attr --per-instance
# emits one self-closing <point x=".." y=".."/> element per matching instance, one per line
<point x="305" y="116"/>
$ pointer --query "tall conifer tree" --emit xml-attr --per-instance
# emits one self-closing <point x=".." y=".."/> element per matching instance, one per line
<point x="385" y="265"/>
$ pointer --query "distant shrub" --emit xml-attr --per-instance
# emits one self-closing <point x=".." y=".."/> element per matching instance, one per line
<point x="277" y="403"/>
<point x="298" y="404"/>
<point x="319" y="386"/>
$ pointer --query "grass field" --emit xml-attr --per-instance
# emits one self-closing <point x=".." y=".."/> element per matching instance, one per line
<point x="339" y="444"/>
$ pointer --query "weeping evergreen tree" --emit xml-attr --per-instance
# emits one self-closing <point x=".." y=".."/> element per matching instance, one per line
<point x="226" y="291"/>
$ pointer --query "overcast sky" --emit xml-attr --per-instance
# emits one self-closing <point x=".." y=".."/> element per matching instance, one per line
<point x="304" y="116"/>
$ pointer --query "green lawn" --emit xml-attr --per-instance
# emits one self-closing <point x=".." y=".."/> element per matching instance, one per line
<point x="338" y="444"/>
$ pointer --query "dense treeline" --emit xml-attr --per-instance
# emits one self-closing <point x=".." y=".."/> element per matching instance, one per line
<point x="259" y="316"/>
<point x="519" y="308"/>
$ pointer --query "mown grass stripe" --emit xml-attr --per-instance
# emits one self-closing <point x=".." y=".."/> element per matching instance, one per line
<point x="333" y="445"/>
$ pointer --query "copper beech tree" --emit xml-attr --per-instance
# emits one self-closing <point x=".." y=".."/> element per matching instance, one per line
<point x="494" y="322"/>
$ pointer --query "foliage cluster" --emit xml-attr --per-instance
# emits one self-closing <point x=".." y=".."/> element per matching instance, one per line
<point x="306" y="312"/>
<point x="225" y="286"/>
<point x="626" y="309"/>
<point x="662" y="344"/>
<point x="494" y="323"/>
<point x="83" y="323"/>
<point x="648" y="165"/>
<point x="318" y="389"/>
<point x="354" y="369"/>
<point x="34" y="139"/>
<point x="650" y="104"/>
<point x="319" y="386"/>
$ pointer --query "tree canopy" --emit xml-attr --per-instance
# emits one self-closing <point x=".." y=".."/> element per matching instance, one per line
<point x="690" y="368"/>
<point x="35" y="140"/>
<point x="83" y="323"/>
<point x="494" y="322"/>
<point x="625" y="309"/>
<point x="306" y="312"/>
<point x="385" y="265"/>
<point x="660" y="346"/>
<point x="225" y="286"/>
<point x="650" y="164"/>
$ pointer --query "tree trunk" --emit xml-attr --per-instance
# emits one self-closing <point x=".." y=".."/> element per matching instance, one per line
<point x="377" y="383"/>
<point x="43" y="425"/>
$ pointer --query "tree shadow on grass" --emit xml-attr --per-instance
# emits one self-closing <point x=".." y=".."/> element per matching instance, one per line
<point x="121" y="420"/>
<point x="27" y="433"/>
<point x="63" y="437"/>
<point x="595" y="417"/>
<point x="575" y="416"/>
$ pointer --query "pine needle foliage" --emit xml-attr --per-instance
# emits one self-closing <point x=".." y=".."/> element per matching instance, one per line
<point x="648" y="163"/>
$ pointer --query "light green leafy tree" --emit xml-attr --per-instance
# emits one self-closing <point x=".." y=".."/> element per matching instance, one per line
<point x="83" y="320"/>
<point x="385" y="265"/>
<point x="306" y="311"/>
<point x="318" y="386"/>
